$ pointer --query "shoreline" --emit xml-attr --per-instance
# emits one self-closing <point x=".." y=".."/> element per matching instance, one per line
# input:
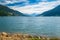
<point x="18" y="36"/>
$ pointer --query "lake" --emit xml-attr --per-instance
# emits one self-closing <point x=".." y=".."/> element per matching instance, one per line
<point x="49" y="26"/>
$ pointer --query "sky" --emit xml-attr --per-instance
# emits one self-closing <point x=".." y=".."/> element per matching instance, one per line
<point x="31" y="6"/>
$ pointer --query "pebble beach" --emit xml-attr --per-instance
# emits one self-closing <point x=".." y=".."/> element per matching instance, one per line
<point x="18" y="36"/>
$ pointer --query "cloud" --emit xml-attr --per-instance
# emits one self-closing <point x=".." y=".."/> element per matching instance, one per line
<point x="37" y="8"/>
<point x="12" y="1"/>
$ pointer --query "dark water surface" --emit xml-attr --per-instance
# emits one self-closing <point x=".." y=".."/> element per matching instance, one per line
<point x="49" y="26"/>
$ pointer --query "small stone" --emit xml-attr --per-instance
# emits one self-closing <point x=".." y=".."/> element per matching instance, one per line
<point x="27" y="36"/>
<point x="35" y="36"/>
<point x="48" y="38"/>
<point x="4" y="34"/>
<point x="43" y="37"/>
<point x="19" y="35"/>
<point x="39" y="37"/>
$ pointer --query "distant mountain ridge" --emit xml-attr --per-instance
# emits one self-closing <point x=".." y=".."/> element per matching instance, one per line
<point x="5" y="11"/>
<point x="53" y="12"/>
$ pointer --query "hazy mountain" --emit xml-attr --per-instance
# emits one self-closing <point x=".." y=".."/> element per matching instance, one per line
<point x="53" y="12"/>
<point x="5" y="11"/>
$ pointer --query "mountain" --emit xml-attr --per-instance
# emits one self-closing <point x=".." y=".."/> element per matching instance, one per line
<point x="5" y="11"/>
<point x="53" y="12"/>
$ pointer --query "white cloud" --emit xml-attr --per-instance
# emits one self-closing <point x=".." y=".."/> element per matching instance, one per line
<point x="37" y="8"/>
<point x="13" y="1"/>
<point x="34" y="8"/>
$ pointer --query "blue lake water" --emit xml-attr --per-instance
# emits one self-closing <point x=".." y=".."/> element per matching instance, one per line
<point x="49" y="26"/>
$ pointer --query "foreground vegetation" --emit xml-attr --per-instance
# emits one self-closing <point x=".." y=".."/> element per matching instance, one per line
<point x="18" y="36"/>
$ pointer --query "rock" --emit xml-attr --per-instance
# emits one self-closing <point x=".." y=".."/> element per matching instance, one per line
<point x="35" y="36"/>
<point x="4" y="34"/>
<point x="48" y="38"/>
<point x="43" y="38"/>
<point x="17" y="36"/>
<point x="20" y="35"/>
<point x="27" y="36"/>
<point x="39" y="37"/>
